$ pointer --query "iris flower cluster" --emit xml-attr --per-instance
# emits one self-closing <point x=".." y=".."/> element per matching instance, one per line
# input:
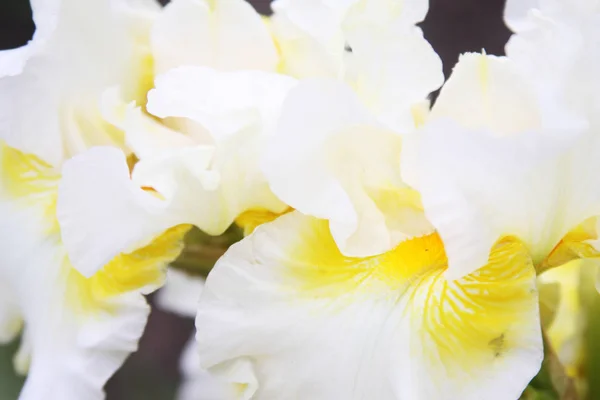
<point x="393" y="248"/>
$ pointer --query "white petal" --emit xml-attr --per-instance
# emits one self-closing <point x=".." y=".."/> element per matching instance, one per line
<point x="144" y="135"/>
<point x="224" y="34"/>
<point x="558" y="57"/>
<point x="223" y="102"/>
<point x="180" y="294"/>
<point x="198" y="384"/>
<point x="303" y="55"/>
<point x="210" y="187"/>
<point x="318" y="18"/>
<point x="477" y="187"/>
<point x="483" y="91"/>
<point x="102" y="213"/>
<point x="516" y="13"/>
<point x="57" y="90"/>
<point x="385" y="14"/>
<point x="331" y="160"/>
<point x="494" y="162"/>
<point x="73" y="349"/>
<point x="318" y="325"/>
<point x="393" y="73"/>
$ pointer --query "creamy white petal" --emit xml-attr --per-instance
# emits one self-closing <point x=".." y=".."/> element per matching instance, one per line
<point x="239" y="110"/>
<point x="494" y="162"/>
<point x="223" y="102"/>
<point x="305" y="56"/>
<point x="210" y="187"/>
<point x="315" y="324"/>
<point x="520" y="15"/>
<point x="224" y="34"/>
<point x="558" y="56"/>
<point x="199" y="384"/>
<point x="483" y="91"/>
<point x="181" y="293"/>
<point x="393" y="73"/>
<point x="73" y="351"/>
<point x="102" y="212"/>
<point x="516" y="13"/>
<point x="331" y="159"/>
<point x="78" y="330"/>
<point x="477" y="187"/>
<point x="53" y="102"/>
<point x="144" y="135"/>
<point x="318" y="18"/>
<point x="381" y="15"/>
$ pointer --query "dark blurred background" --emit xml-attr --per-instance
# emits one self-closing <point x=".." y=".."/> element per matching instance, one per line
<point x="452" y="27"/>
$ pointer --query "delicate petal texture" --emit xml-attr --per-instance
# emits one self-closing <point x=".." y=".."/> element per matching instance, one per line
<point x="391" y="326"/>
<point x="78" y="330"/>
<point x="49" y="104"/>
<point x="516" y="13"/>
<point x="477" y="187"/>
<point x="144" y="135"/>
<point x="224" y="103"/>
<point x="239" y="111"/>
<point x="501" y="166"/>
<point x="309" y="36"/>
<point x="482" y="91"/>
<point x="317" y="18"/>
<point x="180" y="294"/>
<point x="69" y="348"/>
<point x="223" y="34"/>
<point x="305" y="56"/>
<point x="520" y="15"/>
<point x="559" y="56"/>
<point x="102" y="213"/>
<point x="392" y="74"/>
<point x="380" y="15"/>
<point x="210" y="190"/>
<point x="331" y="160"/>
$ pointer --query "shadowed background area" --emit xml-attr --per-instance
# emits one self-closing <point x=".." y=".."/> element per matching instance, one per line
<point x="452" y="27"/>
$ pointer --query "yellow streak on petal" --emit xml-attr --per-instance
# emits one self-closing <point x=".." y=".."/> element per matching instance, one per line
<point x="142" y="77"/>
<point x="281" y="67"/>
<point x="27" y="179"/>
<point x="251" y="219"/>
<point x="128" y="272"/>
<point x="467" y="323"/>
<point x="573" y="246"/>
<point x="477" y="319"/>
<point x="419" y="113"/>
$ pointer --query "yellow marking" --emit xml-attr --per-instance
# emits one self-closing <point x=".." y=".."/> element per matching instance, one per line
<point x="419" y="113"/>
<point x="573" y="246"/>
<point x="281" y="67"/>
<point x="240" y="389"/>
<point x="28" y="179"/>
<point x="126" y="273"/>
<point x="467" y="322"/>
<point x="142" y="77"/>
<point x="572" y="284"/>
<point x="251" y="219"/>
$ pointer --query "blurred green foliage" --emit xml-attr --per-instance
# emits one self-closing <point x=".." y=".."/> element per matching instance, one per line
<point x="10" y="383"/>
